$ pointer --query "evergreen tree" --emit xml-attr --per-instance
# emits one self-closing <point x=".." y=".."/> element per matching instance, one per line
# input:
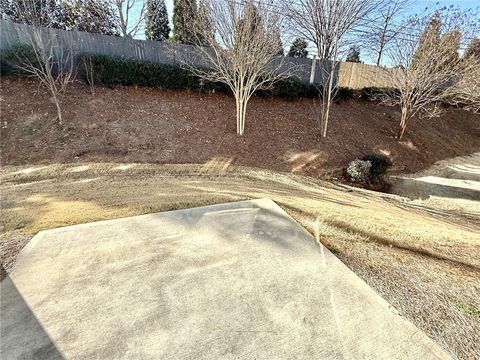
<point x="249" y="26"/>
<point x="446" y="45"/>
<point x="353" y="55"/>
<point x="255" y="26"/>
<point x="184" y="17"/>
<point x="430" y="37"/>
<point x="473" y="49"/>
<point x="45" y="13"/>
<point x="434" y="28"/>
<point x="280" y="45"/>
<point x="453" y="39"/>
<point x="257" y="21"/>
<point x="95" y="16"/>
<point x="7" y="10"/>
<point x="298" y="49"/>
<point x="157" y="27"/>
<point x="202" y="21"/>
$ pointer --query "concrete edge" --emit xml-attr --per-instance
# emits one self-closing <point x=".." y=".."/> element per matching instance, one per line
<point x="37" y="237"/>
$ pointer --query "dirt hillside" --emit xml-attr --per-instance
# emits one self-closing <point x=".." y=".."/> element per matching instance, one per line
<point x="128" y="124"/>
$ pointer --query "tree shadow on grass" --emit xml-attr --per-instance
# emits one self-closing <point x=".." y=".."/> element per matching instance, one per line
<point x="414" y="250"/>
<point x="453" y="217"/>
<point x="22" y="335"/>
<point x="462" y="172"/>
<point x="417" y="189"/>
<point x="280" y="196"/>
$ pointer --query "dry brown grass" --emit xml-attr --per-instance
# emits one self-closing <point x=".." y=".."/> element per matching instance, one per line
<point x="425" y="262"/>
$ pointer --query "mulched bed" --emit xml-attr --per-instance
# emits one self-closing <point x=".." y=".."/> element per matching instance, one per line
<point x="130" y="124"/>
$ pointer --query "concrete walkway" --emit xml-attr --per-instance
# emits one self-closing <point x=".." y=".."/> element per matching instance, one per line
<point x="233" y="281"/>
<point x="454" y="179"/>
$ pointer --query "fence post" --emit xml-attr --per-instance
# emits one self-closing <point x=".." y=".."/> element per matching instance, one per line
<point x="312" y="72"/>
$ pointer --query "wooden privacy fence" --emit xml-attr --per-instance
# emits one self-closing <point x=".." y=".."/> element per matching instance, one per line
<point x="359" y="76"/>
<point x="307" y="71"/>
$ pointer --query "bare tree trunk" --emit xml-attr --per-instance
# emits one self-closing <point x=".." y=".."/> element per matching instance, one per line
<point x="325" y="120"/>
<point x="241" y="115"/>
<point x="241" y="110"/>
<point x="326" y="114"/>
<point x="237" y="112"/>
<point x="327" y="103"/>
<point x="382" y="41"/>
<point x="240" y="119"/>
<point x="244" y="115"/>
<point x="123" y="27"/>
<point x="88" y="65"/>
<point x="59" y="108"/>
<point x="403" y="122"/>
<point x="380" y="53"/>
<point x="242" y="56"/>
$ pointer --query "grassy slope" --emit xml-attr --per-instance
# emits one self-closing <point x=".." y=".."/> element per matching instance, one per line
<point x="424" y="262"/>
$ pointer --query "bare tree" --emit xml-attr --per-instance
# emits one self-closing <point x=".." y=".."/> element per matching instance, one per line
<point x="465" y="91"/>
<point x="430" y="71"/>
<point x="326" y="24"/>
<point x="88" y="66"/>
<point x="242" y="41"/>
<point x="379" y="37"/>
<point x="44" y="56"/>
<point x="131" y="15"/>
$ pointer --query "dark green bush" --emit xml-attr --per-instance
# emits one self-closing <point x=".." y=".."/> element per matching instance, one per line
<point x="380" y="165"/>
<point x="15" y="56"/>
<point x="109" y="70"/>
<point x="369" y="172"/>
<point x="370" y="93"/>
<point x="359" y="171"/>
<point x="293" y="89"/>
<point x="343" y="93"/>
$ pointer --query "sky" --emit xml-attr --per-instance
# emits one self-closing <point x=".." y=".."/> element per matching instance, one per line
<point x="169" y="4"/>
<point x="418" y="6"/>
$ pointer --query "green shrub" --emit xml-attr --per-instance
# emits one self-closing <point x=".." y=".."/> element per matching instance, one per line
<point x="343" y="93"/>
<point x="380" y="165"/>
<point x="369" y="172"/>
<point x="370" y="93"/>
<point x="293" y="89"/>
<point x="28" y="130"/>
<point x="109" y="70"/>
<point x="359" y="171"/>
<point x="12" y="58"/>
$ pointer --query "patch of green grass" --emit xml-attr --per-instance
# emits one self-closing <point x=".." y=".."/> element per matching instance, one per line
<point x="468" y="309"/>
<point x="28" y="130"/>
<point x="31" y="232"/>
<point x="62" y="140"/>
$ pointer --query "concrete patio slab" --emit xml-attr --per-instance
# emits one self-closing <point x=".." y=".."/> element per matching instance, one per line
<point x="233" y="281"/>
